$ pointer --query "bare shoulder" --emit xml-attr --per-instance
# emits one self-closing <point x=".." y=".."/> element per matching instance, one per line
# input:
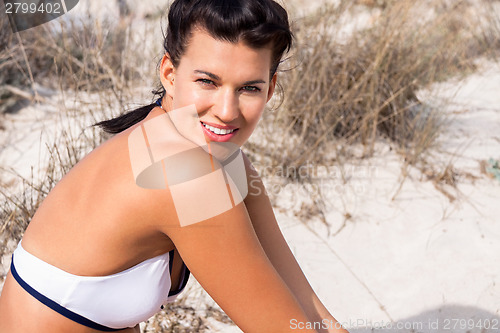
<point x="97" y="206"/>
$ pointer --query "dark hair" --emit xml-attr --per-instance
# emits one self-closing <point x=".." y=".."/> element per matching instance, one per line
<point x="257" y="23"/>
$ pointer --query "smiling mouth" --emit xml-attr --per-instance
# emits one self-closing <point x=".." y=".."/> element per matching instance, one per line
<point x="218" y="131"/>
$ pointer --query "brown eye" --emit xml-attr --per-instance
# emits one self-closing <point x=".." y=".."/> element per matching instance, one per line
<point x="251" y="89"/>
<point x="205" y="82"/>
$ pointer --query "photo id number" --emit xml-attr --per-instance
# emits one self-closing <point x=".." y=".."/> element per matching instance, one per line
<point x="32" y="8"/>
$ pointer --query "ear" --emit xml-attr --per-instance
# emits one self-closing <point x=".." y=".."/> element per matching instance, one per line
<point x="272" y="87"/>
<point x="167" y="74"/>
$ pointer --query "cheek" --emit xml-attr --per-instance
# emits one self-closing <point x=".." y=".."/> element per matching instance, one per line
<point x="253" y="111"/>
<point x="186" y="95"/>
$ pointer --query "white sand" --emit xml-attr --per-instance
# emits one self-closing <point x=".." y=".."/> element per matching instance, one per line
<point x="419" y="257"/>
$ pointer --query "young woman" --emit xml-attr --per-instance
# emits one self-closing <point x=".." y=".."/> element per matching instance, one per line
<point x="171" y="195"/>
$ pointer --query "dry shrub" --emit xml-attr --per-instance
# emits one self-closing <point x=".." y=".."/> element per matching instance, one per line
<point x="82" y="55"/>
<point x="350" y="89"/>
<point x="13" y="73"/>
<point x="15" y="213"/>
<point x="357" y="90"/>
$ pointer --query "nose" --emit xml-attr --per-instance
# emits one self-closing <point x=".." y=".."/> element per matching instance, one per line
<point x="226" y="107"/>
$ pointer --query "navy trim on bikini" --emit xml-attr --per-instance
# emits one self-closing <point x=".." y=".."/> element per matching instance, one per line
<point x="183" y="284"/>
<point x="58" y="308"/>
<point x="170" y="261"/>
<point x="185" y="275"/>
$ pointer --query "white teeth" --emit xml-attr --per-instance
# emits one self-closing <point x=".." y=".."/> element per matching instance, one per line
<point x="218" y="130"/>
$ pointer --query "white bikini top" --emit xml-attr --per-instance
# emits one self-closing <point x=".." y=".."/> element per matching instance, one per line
<point x="114" y="301"/>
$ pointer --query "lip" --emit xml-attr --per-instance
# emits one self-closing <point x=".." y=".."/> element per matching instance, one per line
<point x="217" y="137"/>
<point x="220" y="126"/>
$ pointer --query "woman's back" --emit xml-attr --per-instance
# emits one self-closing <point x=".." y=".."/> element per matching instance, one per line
<point x="95" y="223"/>
<point x="97" y="208"/>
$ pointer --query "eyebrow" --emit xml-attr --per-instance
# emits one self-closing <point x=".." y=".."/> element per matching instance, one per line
<point x="217" y="78"/>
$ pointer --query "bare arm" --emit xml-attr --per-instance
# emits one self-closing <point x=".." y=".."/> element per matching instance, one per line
<point x="226" y="257"/>
<point x="277" y="250"/>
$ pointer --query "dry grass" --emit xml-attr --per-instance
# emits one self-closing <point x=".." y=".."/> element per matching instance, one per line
<point x="82" y="55"/>
<point x="363" y="89"/>
<point x="345" y="94"/>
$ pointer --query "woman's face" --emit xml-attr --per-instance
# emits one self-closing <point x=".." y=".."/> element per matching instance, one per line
<point x="228" y="83"/>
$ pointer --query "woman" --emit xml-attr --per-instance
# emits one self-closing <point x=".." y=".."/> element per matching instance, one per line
<point x="123" y="230"/>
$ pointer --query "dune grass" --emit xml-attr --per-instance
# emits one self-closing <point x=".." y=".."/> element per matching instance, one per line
<point x="364" y="88"/>
<point x="351" y="86"/>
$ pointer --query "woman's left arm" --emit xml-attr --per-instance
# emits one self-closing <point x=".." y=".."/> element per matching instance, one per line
<point x="277" y="250"/>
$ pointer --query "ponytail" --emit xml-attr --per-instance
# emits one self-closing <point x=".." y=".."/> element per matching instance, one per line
<point x="126" y="120"/>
